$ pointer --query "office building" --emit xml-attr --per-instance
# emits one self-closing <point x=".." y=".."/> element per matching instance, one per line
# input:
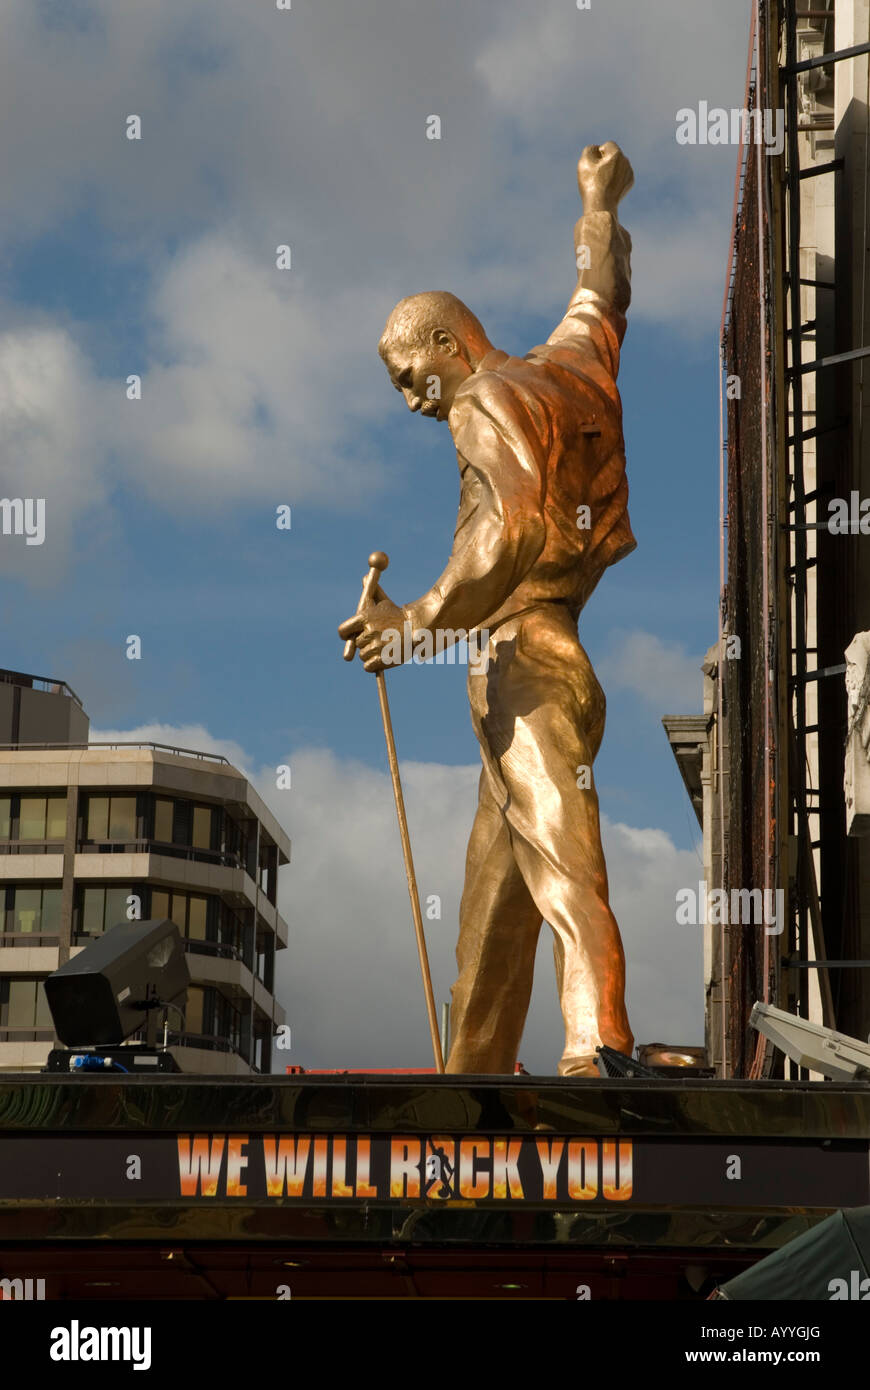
<point x="92" y="835"/>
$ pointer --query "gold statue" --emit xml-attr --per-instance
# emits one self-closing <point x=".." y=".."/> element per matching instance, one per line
<point x="543" y="512"/>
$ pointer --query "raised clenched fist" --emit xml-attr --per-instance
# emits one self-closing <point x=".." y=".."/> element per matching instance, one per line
<point x="604" y="176"/>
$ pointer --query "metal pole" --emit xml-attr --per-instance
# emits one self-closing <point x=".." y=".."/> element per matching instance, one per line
<point x="377" y="563"/>
<point x="800" y="548"/>
<point x="409" y="872"/>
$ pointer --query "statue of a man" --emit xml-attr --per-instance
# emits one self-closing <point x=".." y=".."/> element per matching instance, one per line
<point x="543" y="512"/>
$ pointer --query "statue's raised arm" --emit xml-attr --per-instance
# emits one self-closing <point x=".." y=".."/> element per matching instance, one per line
<point x="602" y="248"/>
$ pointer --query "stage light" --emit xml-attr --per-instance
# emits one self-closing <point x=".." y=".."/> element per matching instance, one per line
<point x="835" y="1055"/>
<point x="117" y="985"/>
<point x="618" y="1064"/>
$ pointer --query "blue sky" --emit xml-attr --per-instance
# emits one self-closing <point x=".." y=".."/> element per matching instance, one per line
<point x="263" y="387"/>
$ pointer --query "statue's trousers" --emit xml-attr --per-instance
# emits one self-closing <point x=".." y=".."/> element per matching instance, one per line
<point x="535" y="853"/>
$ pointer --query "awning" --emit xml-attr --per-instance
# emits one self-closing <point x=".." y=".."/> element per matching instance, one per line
<point x="826" y="1263"/>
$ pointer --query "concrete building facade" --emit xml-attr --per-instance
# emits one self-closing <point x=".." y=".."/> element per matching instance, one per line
<point x="92" y="835"/>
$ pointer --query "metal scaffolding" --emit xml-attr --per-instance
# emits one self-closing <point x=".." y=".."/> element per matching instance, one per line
<point x="781" y="570"/>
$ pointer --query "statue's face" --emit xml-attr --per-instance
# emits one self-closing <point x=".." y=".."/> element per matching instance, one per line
<point x="428" y="376"/>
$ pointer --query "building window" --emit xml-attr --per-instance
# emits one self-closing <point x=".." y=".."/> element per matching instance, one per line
<point x="200" y="918"/>
<point x="226" y="1021"/>
<point x="33" y="910"/>
<point x="23" y="1004"/>
<point x="185" y="824"/>
<point x="235" y="842"/>
<point x="33" y="819"/>
<point x="197" y="913"/>
<point x="163" y="812"/>
<point x="262" y="1047"/>
<point x="171" y="905"/>
<point x="211" y="1017"/>
<point x="98" y="818"/>
<point x="265" y="959"/>
<point x="188" y="911"/>
<point x="99" y="909"/>
<point x="42" y="818"/>
<point x="202" y="827"/>
<point x="267" y="872"/>
<point x="193" y="1014"/>
<point x="111" y="818"/>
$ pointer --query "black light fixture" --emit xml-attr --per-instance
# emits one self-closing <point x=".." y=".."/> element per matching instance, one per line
<point x="618" y="1064"/>
<point x="117" y="986"/>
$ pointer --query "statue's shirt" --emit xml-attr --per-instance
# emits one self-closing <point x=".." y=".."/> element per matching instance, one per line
<point x="544" y="497"/>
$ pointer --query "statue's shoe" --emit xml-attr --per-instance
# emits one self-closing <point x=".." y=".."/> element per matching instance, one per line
<point x="579" y="1066"/>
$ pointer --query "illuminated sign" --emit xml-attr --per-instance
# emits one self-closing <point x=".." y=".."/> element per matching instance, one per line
<point x="401" y="1169"/>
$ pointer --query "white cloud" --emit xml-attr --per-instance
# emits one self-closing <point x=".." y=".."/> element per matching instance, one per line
<point x="191" y="737"/>
<point x="54" y="427"/>
<point x="350" y="979"/>
<point x="664" y="961"/>
<point x="262" y="127"/>
<point x="664" y="674"/>
<point x="632" y="67"/>
<point x="623" y="59"/>
<point x="235" y="402"/>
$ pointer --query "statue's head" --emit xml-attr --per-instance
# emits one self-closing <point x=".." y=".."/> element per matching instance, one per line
<point x="430" y="344"/>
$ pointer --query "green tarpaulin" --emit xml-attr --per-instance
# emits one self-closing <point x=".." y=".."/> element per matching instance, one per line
<point x="823" y="1264"/>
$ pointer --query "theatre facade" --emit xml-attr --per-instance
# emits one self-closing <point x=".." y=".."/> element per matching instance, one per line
<point x="356" y="1186"/>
